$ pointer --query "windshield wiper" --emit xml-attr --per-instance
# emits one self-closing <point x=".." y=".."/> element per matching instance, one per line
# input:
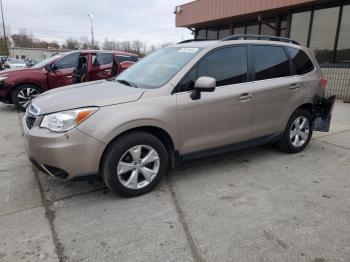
<point x="128" y="83"/>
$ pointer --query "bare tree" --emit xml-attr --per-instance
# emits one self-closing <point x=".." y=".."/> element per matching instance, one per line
<point x="84" y="42"/>
<point x="109" y="44"/>
<point x="72" y="43"/>
<point x="137" y="47"/>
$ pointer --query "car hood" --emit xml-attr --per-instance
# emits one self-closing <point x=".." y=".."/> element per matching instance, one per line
<point x="15" y="70"/>
<point x="97" y="93"/>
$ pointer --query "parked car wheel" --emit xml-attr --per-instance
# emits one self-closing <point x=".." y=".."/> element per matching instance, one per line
<point x="298" y="132"/>
<point x="134" y="164"/>
<point x="23" y="94"/>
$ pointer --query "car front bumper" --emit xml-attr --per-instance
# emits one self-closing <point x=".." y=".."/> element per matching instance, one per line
<point x="69" y="155"/>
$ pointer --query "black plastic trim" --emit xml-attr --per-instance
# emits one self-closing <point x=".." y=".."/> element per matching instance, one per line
<point x="232" y="147"/>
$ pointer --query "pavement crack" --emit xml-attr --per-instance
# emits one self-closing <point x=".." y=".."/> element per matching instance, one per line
<point x="328" y="143"/>
<point x="194" y="249"/>
<point x="21" y="210"/>
<point x="79" y="194"/>
<point x="50" y="215"/>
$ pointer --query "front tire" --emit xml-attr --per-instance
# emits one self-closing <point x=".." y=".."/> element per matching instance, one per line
<point x="134" y="164"/>
<point x="23" y="94"/>
<point x="298" y="132"/>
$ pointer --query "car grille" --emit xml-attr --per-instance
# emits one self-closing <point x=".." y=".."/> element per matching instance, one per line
<point x="30" y="121"/>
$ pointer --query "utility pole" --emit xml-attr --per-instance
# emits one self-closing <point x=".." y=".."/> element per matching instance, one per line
<point x="92" y="30"/>
<point x="3" y="25"/>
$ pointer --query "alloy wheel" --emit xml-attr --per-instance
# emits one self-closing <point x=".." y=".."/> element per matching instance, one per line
<point x="25" y="95"/>
<point x="299" y="131"/>
<point x="138" y="167"/>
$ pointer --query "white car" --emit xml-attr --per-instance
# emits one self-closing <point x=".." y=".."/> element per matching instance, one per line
<point x="15" y="63"/>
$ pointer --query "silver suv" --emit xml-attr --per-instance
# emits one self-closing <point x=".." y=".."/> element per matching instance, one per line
<point x="189" y="100"/>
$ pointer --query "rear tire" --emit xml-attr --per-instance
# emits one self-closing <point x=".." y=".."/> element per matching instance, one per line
<point x="134" y="164"/>
<point x="23" y="94"/>
<point x="298" y="132"/>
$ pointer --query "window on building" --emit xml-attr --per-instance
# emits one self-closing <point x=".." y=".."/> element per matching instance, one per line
<point x="68" y="61"/>
<point x="323" y="33"/>
<point x="227" y="65"/>
<point x="212" y="34"/>
<point x="23" y="57"/>
<point x="202" y="34"/>
<point x="253" y="28"/>
<point x="266" y="30"/>
<point x="300" y="27"/>
<point x="283" y="27"/>
<point x="224" y="32"/>
<point x="239" y="29"/>
<point x="103" y="59"/>
<point x="343" y="50"/>
<point x="270" y="62"/>
<point x="301" y="62"/>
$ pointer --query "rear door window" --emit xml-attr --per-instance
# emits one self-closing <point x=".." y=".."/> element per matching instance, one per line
<point x="227" y="65"/>
<point x="270" y="62"/>
<point x="103" y="59"/>
<point x="300" y="61"/>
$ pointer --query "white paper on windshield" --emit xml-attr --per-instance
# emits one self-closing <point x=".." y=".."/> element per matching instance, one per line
<point x="188" y="50"/>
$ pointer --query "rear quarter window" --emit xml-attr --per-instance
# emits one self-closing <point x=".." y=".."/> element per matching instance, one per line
<point x="300" y="60"/>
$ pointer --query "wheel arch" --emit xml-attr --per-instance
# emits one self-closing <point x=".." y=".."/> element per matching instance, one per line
<point x="306" y="106"/>
<point x="14" y="88"/>
<point x="158" y="132"/>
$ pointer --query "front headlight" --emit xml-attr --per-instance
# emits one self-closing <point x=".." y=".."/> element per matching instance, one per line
<point x="3" y="78"/>
<point x="66" y="120"/>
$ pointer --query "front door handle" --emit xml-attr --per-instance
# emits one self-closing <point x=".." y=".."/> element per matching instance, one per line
<point x="245" y="97"/>
<point x="294" y="87"/>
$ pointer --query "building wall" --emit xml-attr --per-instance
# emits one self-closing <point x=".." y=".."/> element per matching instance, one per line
<point x="33" y="53"/>
<point x="202" y="11"/>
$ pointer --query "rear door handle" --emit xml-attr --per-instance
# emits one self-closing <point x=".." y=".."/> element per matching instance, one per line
<point x="294" y="87"/>
<point x="245" y="97"/>
<point x="69" y="76"/>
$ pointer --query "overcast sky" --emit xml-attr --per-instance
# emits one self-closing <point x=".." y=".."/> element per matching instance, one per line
<point x="151" y="21"/>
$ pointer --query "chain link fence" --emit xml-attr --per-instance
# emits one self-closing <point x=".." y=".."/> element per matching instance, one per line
<point x="338" y="80"/>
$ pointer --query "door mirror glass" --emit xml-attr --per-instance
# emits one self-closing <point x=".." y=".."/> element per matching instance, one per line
<point x="205" y="84"/>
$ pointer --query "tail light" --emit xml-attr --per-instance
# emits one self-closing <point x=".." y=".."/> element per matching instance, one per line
<point x="324" y="82"/>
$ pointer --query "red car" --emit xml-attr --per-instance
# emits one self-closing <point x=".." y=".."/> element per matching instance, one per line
<point x="21" y="85"/>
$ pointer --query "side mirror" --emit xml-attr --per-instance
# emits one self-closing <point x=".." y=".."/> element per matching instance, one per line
<point x="49" y="67"/>
<point x="203" y="84"/>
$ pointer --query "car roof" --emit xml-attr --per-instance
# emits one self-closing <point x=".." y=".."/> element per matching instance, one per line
<point x="104" y="51"/>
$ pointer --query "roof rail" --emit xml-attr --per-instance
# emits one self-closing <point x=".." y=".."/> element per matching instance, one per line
<point x="260" y="37"/>
<point x="191" y="40"/>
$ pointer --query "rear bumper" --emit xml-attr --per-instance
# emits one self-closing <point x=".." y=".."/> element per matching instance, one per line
<point x="70" y="155"/>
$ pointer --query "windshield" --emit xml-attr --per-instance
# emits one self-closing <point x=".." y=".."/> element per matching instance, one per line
<point x="49" y="60"/>
<point x="158" y="68"/>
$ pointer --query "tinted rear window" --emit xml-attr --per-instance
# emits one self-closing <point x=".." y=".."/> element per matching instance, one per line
<point x="301" y="62"/>
<point x="124" y="58"/>
<point x="270" y="62"/>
